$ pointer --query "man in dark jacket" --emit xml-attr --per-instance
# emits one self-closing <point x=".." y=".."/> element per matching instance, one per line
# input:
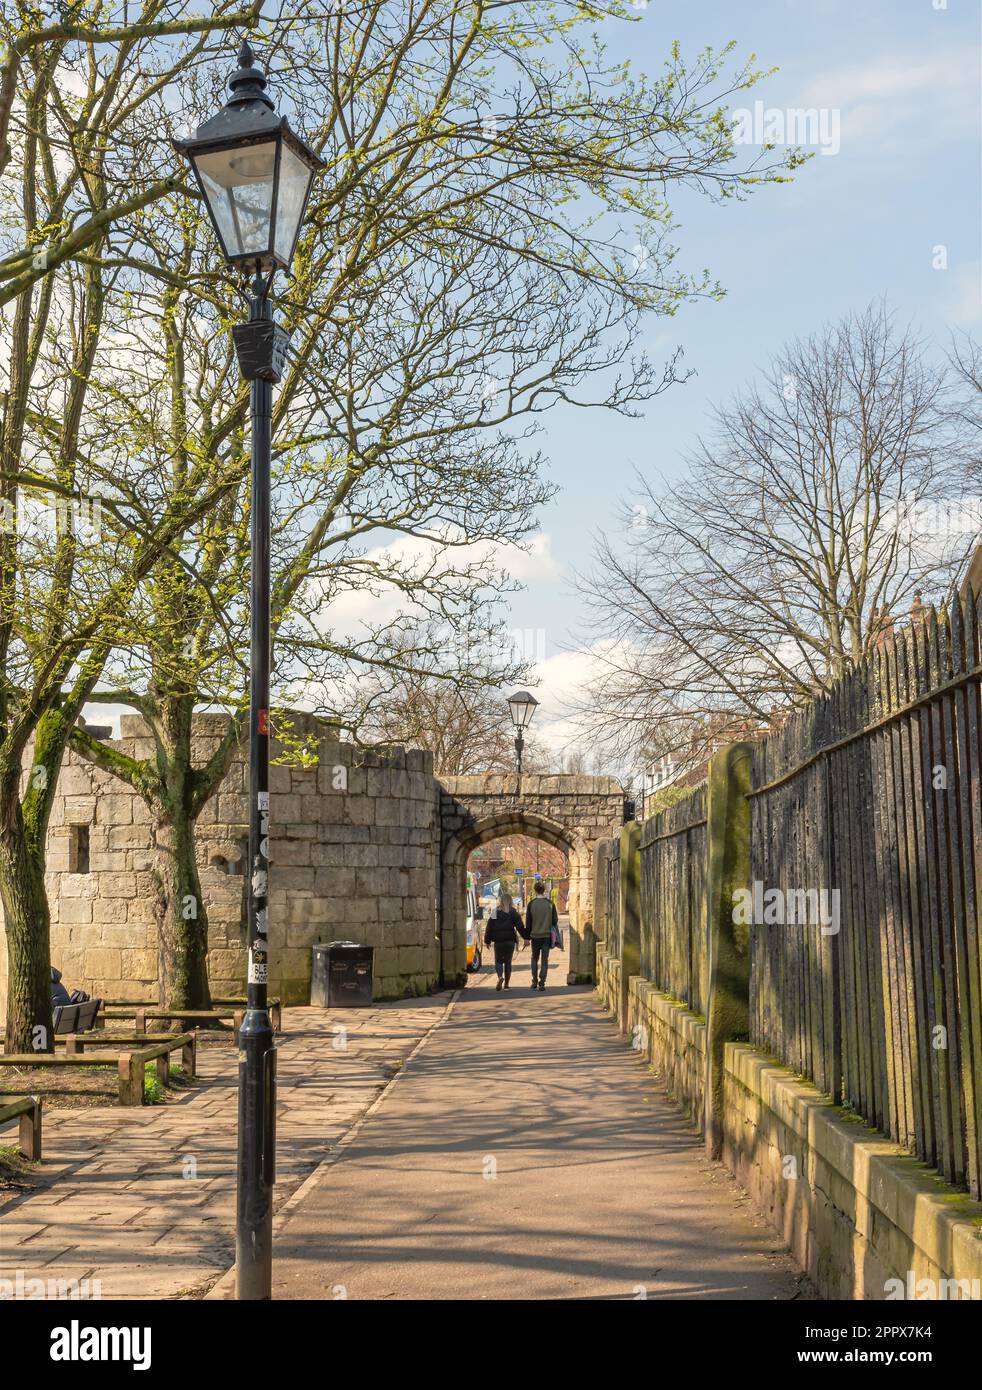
<point x="59" y="994"/>
<point x="540" y="920"/>
<point x="502" y="931"/>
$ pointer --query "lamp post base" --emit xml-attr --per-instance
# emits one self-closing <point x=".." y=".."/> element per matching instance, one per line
<point x="257" y="1149"/>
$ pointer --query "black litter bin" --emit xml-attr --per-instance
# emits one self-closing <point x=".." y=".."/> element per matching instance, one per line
<point x="341" y="974"/>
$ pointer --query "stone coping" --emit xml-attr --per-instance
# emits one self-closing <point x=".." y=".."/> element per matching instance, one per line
<point x="531" y="784"/>
<point x="943" y="1223"/>
<point x="674" y="1014"/>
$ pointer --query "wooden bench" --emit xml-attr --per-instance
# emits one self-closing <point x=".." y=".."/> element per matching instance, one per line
<point x="72" y="1018"/>
<point x="28" y="1110"/>
<point x="187" y="1016"/>
<point x="224" y="1010"/>
<point x="129" y="1064"/>
<point x="76" y="1043"/>
<point x="75" y="1018"/>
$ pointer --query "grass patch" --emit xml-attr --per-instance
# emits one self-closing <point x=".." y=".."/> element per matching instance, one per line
<point x="154" y="1092"/>
<point x="15" y="1169"/>
<point x="153" y="1088"/>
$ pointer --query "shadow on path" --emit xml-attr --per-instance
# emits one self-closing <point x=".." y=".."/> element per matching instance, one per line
<point x="526" y="1152"/>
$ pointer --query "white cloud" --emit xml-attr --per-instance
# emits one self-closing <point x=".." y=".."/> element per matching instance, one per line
<point x="350" y="610"/>
<point x="557" y="683"/>
<point x="885" y="101"/>
<point x="537" y="562"/>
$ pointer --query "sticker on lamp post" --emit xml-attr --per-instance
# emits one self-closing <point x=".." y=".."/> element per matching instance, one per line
<point x="258" y="963"/>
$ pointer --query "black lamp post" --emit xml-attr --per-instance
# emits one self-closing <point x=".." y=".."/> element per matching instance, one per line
<point x="522" y="706"/>
<point x="255" y="177"/>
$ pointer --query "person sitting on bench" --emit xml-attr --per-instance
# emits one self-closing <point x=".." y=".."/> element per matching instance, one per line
<point x="71" y="1013"/>
<point x="60" y="995"/>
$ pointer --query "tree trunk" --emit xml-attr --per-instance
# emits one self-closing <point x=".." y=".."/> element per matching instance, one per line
<point x="179" y="911"/>
<point x="28" y="927"/>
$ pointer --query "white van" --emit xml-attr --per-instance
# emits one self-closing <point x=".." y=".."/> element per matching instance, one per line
<point x="474" y="924"/>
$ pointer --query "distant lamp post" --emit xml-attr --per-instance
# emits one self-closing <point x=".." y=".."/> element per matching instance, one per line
<point x="255" y="177"/>
<point x="523" y="707"/>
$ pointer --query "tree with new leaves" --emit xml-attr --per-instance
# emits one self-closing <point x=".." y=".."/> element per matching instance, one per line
<point x="78" y="99"/>
<point x="439" y="301"/>
<point x="93" y="181"/>
<point x="468" y="264"/>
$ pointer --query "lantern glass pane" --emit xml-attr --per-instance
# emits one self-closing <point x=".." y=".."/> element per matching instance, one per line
<point x="295" y="177"/>
<point x="238" y="184"/>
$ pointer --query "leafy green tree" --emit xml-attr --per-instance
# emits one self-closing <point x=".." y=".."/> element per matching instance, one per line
<point x="76" y="89"/>
<point x="471" y="260"/>
<point x="79" y="99"/>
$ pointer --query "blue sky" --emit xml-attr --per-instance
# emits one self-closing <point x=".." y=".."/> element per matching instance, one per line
<point x="863" y="223"/>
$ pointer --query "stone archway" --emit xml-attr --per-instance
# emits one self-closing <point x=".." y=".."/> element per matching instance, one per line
<point x="568" y="811"/>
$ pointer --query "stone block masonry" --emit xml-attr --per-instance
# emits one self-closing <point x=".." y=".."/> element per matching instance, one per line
<point x="366" y="846"/>
<point x="354" y="855"/>
<point x="862" y="1217"/>
<point x="567" y="811"/>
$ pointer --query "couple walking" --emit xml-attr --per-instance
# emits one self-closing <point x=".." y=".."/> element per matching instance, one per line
<point x="541" y="928"/>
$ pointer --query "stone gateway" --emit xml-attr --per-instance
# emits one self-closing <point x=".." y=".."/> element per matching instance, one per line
<point x="365" y="846"/>
<point x="569" y="811"/>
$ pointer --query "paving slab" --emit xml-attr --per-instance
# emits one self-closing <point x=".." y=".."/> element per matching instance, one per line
<point x="118" y="1197"/>
<point x="526" y="1153"/>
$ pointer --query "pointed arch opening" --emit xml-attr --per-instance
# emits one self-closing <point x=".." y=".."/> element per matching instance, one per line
<point x="458" y="848"/>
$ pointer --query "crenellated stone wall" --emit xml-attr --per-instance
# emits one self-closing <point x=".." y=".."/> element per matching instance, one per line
<point x="365" y="846"/>
<point x="354" y="855"/>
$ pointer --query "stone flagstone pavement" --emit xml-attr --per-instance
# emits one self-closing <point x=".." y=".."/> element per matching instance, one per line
<point x="143" y="1200"/>
<point x="526" y="1153"/>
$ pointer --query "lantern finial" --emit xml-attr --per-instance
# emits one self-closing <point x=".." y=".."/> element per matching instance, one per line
<point x="248" y="82"/>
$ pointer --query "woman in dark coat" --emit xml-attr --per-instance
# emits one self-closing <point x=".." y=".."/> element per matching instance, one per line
<point x="502" y="932"/>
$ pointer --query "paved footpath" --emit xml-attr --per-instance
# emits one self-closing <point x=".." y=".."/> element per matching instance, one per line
<point x="526" y="1152"/>
<point x="143" y="1200"/>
